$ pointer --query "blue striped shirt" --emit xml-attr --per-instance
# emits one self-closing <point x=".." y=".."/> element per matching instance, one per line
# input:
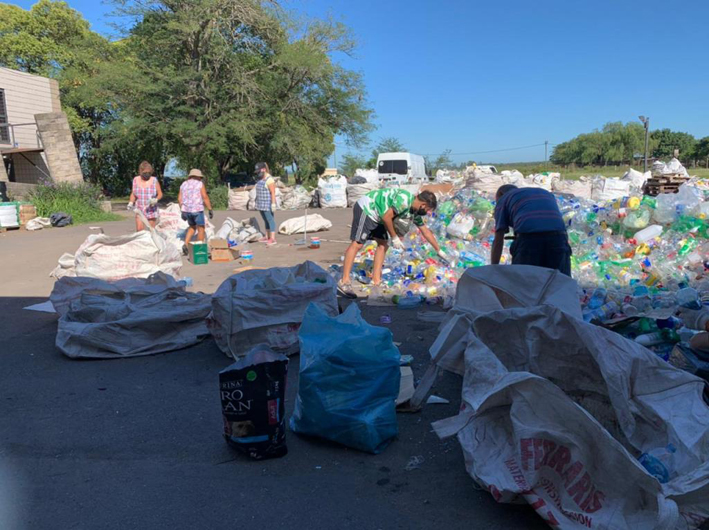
<point x="527" y="211"/>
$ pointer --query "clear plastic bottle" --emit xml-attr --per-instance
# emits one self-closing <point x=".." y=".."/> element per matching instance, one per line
<point x="688" y="297"/>
<point x="598" y="298"/>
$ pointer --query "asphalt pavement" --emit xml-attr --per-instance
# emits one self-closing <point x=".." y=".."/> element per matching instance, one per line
<point x="137" y="443"/>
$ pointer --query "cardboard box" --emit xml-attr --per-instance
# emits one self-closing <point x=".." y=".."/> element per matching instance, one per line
<point x="220" y="250"/>
<point x="198" y="253"/>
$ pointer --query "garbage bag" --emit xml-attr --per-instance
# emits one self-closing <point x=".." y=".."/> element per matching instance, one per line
<point x="298" y="225"/>
<point x="267" y="306"/>
<point x="136" y="255"/>
<point x="296" y="198"/>
<point x="238" y="199"/>
<point x="349" y="380"/>
<point x="127" y="318"/>
<point x="60" y="219"/>
<point x="557" y="411"/>
<point x="253" y="392"/>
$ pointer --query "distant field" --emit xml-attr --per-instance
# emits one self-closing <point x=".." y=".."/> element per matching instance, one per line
<point x="566" y="173"/>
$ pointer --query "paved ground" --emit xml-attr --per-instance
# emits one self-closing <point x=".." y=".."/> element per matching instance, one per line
<point x="136" y="443"/>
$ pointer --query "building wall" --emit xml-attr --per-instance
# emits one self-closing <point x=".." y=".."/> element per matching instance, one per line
<point x="25" y="96"/>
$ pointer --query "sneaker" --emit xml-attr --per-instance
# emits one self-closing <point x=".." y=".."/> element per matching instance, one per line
<point x="270" y="242"/>
<point x="263" y="240"/>
<point x="345" y="289"/>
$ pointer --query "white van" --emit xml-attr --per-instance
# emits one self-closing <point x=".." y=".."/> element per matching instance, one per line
<point x="401" y="168"/>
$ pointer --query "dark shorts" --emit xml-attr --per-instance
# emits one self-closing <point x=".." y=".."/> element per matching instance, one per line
<point x="543" y="249"/>
<point x="195" y="219"/>
<point x="364" y="227"/>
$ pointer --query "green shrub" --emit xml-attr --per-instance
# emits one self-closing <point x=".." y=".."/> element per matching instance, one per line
<point x="219" y="196"/>
<point x="81" y="201"/>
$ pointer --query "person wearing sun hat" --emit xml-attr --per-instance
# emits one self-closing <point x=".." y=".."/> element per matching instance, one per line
<point x="193" y="198"/>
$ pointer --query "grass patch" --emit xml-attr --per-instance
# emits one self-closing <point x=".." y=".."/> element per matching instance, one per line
<point x="81" y="201"/>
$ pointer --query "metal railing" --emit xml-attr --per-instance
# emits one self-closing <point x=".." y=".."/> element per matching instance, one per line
<point x="12" y="137"/>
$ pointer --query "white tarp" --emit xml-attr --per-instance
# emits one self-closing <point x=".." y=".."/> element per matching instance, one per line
<point x="136" y="255"/>
<point x="579" y="188"/>
<point x="333" y="191"/>
<point x="240" y="231"/>
<point x="636" y="178"/>
<point x="38" y="223"/>
<point x="298" y="225"/>
<point x="609" y="189"/>
<point x="128" y="318"/>
<point x="296" y="198"/>
<point x="267" y="306"/>
<point x="356" y="191"/>
<point x="370" y="175"/>
<point x="238" y="199"/>
<point x="673" y="167"/>
<point x="556" y="411"/>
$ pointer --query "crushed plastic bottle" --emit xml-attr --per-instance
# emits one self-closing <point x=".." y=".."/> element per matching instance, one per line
<point x="659" y="463"/>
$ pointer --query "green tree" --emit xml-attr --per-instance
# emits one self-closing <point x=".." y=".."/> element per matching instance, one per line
<point x="701" y="150"/>
<point x="443" y="161"/>
<point x="226" y="83"/>
<point x="385" y="145"/>
<point x="351" y="163"/>
<point x="667" y="141"/>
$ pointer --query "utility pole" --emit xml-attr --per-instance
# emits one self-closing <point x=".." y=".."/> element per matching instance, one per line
<point x="546" y="149"/>
<point x="646" y="123"/>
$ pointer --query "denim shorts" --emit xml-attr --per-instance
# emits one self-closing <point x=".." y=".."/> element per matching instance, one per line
<point x="195" y="219"/>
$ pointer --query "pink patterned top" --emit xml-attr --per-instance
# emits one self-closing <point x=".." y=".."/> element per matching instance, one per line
<point x="192" y="201"/>
<point x="143" y="194"/>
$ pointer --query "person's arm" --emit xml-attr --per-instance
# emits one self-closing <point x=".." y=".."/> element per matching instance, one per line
<point x="272" y="189"/>
<point x="205" y="198"/>
<point x="428" y="236"/>
<point x="159" y="189"/>
<point x="497" y="245"/>
<point x="131" y="200"/>
<point x="388" y="220"/>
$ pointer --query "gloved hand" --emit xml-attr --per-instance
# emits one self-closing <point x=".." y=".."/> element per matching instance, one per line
<point x="184" y="216"/>
<point x="211" y="214"/>
<point x="695" y="318"/>
<point x="130" y="206"/>
<point x="153" y="201"/>
<point x="273" y="206"/>
<point x="445" y="259"/>
<point x="397" y="244"/>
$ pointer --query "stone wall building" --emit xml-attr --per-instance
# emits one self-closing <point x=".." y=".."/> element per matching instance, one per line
<point x="35" y="139"/>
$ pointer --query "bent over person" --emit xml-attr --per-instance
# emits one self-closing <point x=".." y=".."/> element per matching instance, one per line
<point x="373" y="217"/>
<point x="540" y="232"/>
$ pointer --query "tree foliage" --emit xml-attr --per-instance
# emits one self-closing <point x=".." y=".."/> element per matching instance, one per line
<point x="215" y="84"/>
<point x="666" y="141"/>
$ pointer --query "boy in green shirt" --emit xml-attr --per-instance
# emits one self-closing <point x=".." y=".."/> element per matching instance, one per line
<point x="373" y="218"/>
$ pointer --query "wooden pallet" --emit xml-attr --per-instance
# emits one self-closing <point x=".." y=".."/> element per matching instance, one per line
<point x="664" y="184"/>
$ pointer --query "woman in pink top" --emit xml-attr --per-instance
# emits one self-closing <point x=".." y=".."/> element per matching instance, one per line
<point x="193" y="198"/>
<point x="144" y="196"/>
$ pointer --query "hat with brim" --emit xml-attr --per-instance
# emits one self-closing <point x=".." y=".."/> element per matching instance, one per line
<point x="195" y="173"/>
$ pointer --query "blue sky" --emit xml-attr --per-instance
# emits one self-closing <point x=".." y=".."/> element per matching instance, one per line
<point x="476" y="76"/>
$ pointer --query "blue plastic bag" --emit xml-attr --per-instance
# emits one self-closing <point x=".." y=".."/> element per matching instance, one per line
<point x="349" y="380"/>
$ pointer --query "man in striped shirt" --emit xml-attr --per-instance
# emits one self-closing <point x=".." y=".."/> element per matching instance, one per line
<point x="540" y="232"/>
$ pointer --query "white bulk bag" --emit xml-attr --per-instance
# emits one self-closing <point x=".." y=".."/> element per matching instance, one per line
<point x="333" y="191"/>
<point x="267" y="306"/>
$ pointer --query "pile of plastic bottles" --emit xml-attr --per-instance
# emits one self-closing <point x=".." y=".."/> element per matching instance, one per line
<point x="639" y="250"/>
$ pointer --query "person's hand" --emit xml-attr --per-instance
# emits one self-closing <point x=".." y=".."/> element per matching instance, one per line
<point x="694" y="318"/>
<point x="273" y="206"/>
<point x="153" y="201"/>
<point x="211" y="214"/>
<point x="397" y="244"/>
<point x="184" y="216"/>
<point x="445" y="259"/>
<point x="130" y="206"/>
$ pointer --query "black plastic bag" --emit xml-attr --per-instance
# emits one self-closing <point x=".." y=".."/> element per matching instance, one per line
<point x="60" y="219"/>
<point x="252" y="392"/>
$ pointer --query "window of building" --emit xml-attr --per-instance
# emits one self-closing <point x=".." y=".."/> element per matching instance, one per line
<point x="4" y="129"/>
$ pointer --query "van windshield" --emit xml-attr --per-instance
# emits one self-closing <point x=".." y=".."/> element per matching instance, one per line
<point x="399" y="167"/>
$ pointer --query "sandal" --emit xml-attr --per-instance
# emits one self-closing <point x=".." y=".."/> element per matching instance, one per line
<point x="345" y="289"/>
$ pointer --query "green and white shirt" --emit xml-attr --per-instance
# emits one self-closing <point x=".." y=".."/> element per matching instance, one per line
<point x="376" y="203"/>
